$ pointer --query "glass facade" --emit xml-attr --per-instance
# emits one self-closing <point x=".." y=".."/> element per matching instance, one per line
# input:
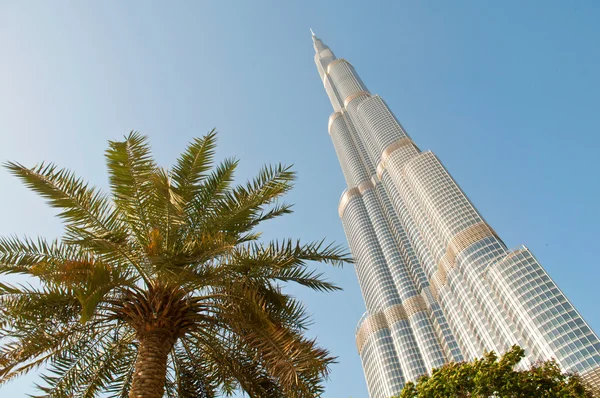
<point x="439" y="285"/>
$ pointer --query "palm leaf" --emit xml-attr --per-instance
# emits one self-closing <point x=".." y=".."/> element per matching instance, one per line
<point x="191" y="167"/>
<point x="238" y="208"/>
<point x="131" y="169"/>
<point x="81" y="206"/>
<point x="87" y="364"/>
<point x="211" y="192"/>
<point x="167" y="213"/>
<point x="295" y="362"/>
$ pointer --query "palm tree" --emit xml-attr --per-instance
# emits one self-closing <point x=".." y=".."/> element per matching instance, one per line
<point x="163" y="287"/>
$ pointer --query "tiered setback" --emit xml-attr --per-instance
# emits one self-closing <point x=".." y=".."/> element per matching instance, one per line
<point x="438" y="283"/>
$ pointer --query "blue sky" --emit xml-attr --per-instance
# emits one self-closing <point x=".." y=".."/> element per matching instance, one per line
<point x="505" y="93"/>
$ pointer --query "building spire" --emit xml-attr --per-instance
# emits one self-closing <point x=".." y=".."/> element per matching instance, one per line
<point x="318" y="43"/>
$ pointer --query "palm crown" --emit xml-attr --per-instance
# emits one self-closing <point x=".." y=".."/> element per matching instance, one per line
<point x="162" y="287"/>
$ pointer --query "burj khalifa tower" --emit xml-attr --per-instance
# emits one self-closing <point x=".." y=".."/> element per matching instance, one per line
<point x="438" y="282"/>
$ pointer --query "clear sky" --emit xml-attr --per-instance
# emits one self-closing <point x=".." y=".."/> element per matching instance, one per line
<point x="506" y="93"/>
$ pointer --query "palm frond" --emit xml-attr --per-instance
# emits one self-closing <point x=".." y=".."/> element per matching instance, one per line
<point x="238" y="367"/>
<point x="306" y="277"/>
<point x="81" y="206"/>
<point x="191" y="167"/>
<point x="273" y="257"/>
<point x="238" y="208"/>
<point x="63" y="267"/>
<point x="131" y="258"/>
<point x="111" y="367"/>
<point x="122" y="378"/>
<point x="23" y="308"/>
<point x="26" y="256"/>
<point x="317" y="251"/>
<point x="88" y="365"/>
<point x="99" y="280"/>
<point x="194" y="378"/>
<point x="166" y="212"/>
<point x="131" y="169"/>
<point x="210" y="193"/>
<point x="28" y="345"/>
<point x="43" y="259"/>
<point x="297" y="363"/>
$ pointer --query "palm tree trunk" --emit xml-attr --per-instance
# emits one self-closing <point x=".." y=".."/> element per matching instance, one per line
<point x="151" y="365"/>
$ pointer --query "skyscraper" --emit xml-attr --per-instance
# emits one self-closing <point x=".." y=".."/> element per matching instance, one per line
<point x="438" y="283"/>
